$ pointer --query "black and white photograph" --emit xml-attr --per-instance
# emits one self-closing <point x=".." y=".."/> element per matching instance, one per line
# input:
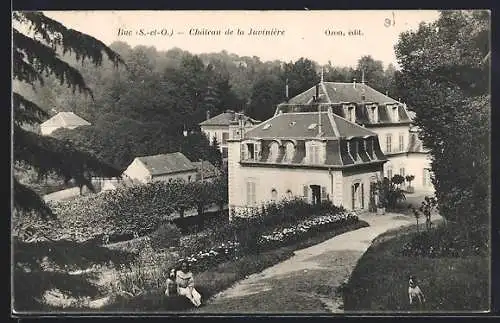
<point x="251" y="162"/>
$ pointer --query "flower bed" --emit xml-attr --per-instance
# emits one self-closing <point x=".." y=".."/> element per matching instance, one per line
<point x="208" y="258"/>
<point x="306" y="228"/>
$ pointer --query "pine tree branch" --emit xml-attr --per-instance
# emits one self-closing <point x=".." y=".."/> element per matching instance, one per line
<point x="48" y="154"/>
<point x="56" y="35"/>
<point x="45" y="60"/>
<point x="23" y="71"/>
<point x="25" y="199"/>
<point x="26" y="111"/>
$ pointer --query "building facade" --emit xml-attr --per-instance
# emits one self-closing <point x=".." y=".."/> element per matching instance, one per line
<point x="315" y="156"/>
<point x="218" y="127"/>
<point x="164" y="167"/>
<point x="388" y="118"/>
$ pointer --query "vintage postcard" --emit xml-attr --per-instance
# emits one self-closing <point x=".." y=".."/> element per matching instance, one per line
<point x="215" y="162"/>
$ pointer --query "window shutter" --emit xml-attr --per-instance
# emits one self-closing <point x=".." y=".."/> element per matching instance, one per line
<point x="324" y="194"/>
<point x="253" y="194"/>
<point x="353" y="192"/>
<point x="362" y="196"/>
<point x="243" y="151"/>
<point x="306" y="192"/>
<point x="248" y="193"/>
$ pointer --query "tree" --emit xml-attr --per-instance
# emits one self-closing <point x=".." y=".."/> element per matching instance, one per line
<point x="398" y="180"/>
<point x="373" y="72"/>
<point x="388" y="194"/>
<point x="445" y="79"/>
<point x="37" y="43"/>
<point x="301" y="76"/>
<point x="35" y="54"/>
<point x="409" y="179"/>
<point x="267" y="92"/>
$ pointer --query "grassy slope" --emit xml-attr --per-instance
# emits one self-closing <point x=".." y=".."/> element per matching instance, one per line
<point x="223" y="276"/>
<point x="380" y="280"/>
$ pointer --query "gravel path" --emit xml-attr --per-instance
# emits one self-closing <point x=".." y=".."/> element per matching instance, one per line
<point x="310" y="280"/>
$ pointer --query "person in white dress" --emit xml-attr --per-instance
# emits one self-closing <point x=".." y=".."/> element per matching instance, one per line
<point x="185" y="284"/>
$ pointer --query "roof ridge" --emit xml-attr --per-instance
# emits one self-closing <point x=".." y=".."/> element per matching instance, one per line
<point x="334" y="125"/>
<point x="326" y="92"/>
<point x="63" y="120"/>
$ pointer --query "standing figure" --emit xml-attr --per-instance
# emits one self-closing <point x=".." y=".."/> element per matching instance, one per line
<point x="415" y="294"/>
<point x="185" y="284"/>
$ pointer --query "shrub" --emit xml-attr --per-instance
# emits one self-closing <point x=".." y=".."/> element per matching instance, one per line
<point x="389" y="195"/>
<point x="448" y="241"/>
<point x="167" y="235"/>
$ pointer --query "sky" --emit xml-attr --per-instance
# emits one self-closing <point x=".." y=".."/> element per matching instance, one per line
<point x="321" y="36"/>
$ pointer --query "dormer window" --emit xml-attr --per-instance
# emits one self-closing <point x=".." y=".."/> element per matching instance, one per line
<point x="312" y="126"/>
<point x="352" y="149"/>
<point x="374" y="113"/>
<point x="350" y="113"/>
<point x="273" y="151"/>
<point x="266" y="126"/>
<point x="251" y="151"/>
<point x="313" y="153"/>
<point x="395" y="114"/>
<point x="289" y="152"/>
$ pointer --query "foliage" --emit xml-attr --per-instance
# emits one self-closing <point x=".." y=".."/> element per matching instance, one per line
<point x="249" y="227"/>
<point x="125" y="211"/>
<point x="398" y="179"/>
<point x="409" y="179"/>
<point x="37" y="42"/>
<point x="167" y="235"/>
<point x="445" y="72"/>
<point x="448" y="241"/>
<point x="47" y="265"/>
<point x="379" y="282"/>
<point x="306" y="228"/>
<point x="389" y="195"/>
<point x="35" y="55"/>
<point x="217" y="269"/>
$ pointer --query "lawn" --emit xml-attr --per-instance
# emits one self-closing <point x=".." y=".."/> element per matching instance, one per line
<point x="380" y="279"/>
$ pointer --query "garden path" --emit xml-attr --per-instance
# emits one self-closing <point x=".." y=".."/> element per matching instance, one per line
<point x="310" y="280"/>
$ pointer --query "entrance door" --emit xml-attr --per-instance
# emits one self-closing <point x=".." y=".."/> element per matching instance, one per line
<point x="316" y="194"/>
<point x="358" y="196"/>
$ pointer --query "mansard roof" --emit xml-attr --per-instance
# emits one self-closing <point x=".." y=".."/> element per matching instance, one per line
<point x="337" y="94"/>
<point x="301" y="125"/>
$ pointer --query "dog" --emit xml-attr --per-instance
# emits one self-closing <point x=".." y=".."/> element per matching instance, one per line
<point x="415" y="294"/>
<point x="171" y="284"/>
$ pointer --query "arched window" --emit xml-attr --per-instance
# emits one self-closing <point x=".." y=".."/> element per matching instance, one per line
<point x="274" y="194"/>
<point x="289" y="151"/>
<point x="289" y="194"/>
<point x="273" y="151"/>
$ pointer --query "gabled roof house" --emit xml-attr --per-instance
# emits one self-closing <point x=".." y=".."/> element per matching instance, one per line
<point x="67" y="120"/>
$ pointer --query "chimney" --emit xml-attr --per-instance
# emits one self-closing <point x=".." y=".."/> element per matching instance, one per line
<point x="286" y="90"/>
<point x="317" y="92"/>
<point x="208" y="114"/>
<point x="319" y="121"/>
<point x="363" y="76"/>
<point x="354" y="82"/>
